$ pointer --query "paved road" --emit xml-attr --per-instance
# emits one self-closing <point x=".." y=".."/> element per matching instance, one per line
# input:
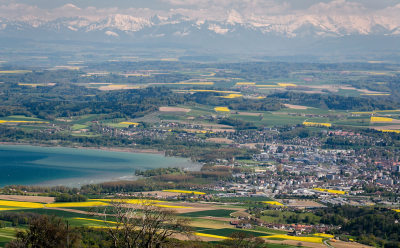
<point x="326" y="243"/>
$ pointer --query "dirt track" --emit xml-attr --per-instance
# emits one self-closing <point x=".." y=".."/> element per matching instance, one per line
<point x="220" y="140"/>
<point x="388" y="127"/>
<point x="305" y="204"/>
<point x="341" y="244"/>
<point x="174" y="109"/>
<point x="247" y="113"/>
<point x="295" y="106"/>
<point x="294" y="243"/>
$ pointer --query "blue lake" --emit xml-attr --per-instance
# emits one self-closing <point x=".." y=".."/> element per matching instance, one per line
<point x="50" y="166"/>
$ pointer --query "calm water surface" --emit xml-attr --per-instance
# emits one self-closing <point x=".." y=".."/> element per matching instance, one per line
<point x="49" y="166"/>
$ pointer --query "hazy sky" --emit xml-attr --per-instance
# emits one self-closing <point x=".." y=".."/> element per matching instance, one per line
<point x="204" y="9"/>
<point x="167" y="4"/>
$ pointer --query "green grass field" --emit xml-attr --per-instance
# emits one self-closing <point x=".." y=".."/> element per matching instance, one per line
<point x="224" y="84"/>
<point x="6" y="235"/>
<point x="79" y="126"/>
<point x="272" y="120"/>
<point x="228" y="231"/>
<point x="59" y="213"/>
<point x="268" y="230"/>
<point x="281" y="218"/>
<point x="353" y="93"/>
<point x="20" y="118"/>
<point x="310" y="110"/>
<point x="84" y="119"/>
<point x="214" y="213"/>
<point x="34" y="127"/>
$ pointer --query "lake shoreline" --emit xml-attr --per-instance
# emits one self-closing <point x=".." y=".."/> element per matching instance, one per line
<point x="37" y="164"/>
<point x="110" y="149"/>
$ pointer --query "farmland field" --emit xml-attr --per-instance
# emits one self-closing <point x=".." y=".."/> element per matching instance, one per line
<point x="228" y="231"/>
<point x="20" y="118"/>
<point x="269" y="218"/>
<point x="84" y="119"/>
<point x="78" y="127"/>
<point x="309" y="110"/>
<point x="215" y="213"/>
<point x="273" y="120"/>
<point x="242" y="199"/>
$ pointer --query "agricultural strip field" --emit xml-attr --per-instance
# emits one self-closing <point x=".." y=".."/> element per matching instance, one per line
<point x="272" y="216"/>
<point x="84" y="119"/>
<point x="210" y="220"/>
<point x="273" y="120"/>
<point x="243" y="199"/>
<point x="215" y="213"/>
<point x="228" y="231"/>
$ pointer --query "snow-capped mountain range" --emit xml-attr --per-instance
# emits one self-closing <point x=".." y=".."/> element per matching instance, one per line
<point x="233" y="28"/>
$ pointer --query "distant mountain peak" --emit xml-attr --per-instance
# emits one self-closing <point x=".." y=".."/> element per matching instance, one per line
<point x="69" y="6"/>
<point x="232" y="16"/>
<point x="251" y="29"/>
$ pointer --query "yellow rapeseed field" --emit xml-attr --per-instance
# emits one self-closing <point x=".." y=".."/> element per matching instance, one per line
<point x="361" y="113"/>
<point x="394" y="110"/>
<point x="112" y="222"/>
<point x="381" y="119"/>
<point x="184" y="191"/>
<point x="133" y="201"/>
<point x="245" y="83"/>
<point x="218" y="91"/>
<point x="198" y="131"/>
<point x="210" y="236"/>
<point x="21" y="204"/>
<point x="390" y="131"/>
<point x="331" y="191"/>
<point x="168" y="206"/>
<point x="221" y="109"/>
<point x="7" y="209"/>
<point x="285" y="85"/>
<point x="324" y="235"/>
<point x="232" y="96"/>
<point x="129" y="123"/>
<point x="117" y="85"/>
<point x="314" y="124"/>
<point x="76" y="204"/>
<point x="397" y="210"/>
<point x="273" y="203"/>
<point x="304" y="239"/>
<point x="267" y="86"/>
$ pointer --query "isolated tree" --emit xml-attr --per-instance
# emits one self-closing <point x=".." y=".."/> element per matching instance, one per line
<point x="261" y="116"/>
<point x="45" y="231"/>
<point x="299" y="244"/>
<point x="243" y="240"/>
<point x="141" y="225"/>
